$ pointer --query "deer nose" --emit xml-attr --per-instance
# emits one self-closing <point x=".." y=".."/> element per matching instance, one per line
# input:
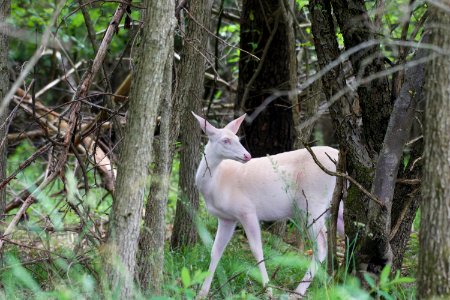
<point x="247" y="157"/>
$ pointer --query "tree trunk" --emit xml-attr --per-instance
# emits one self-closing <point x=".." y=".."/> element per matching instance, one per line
<point x="359" y="162"/>
<point x="377" y="242"/>
<point x="151" y="243"/>
<point x="264" y="33"/>
<point x="4" y="87"/>
<point x="364" y="143"/>
<point x="434" y="255"/>
<point x="190" y="92"/>
<point x="136" y="152"/>
<point x="374" y="96"/>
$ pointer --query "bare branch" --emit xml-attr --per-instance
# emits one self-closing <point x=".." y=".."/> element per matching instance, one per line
<point x="33" y="60"/>
<point x="339" y="174"/>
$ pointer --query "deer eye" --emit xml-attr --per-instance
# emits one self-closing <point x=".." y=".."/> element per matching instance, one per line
<point x="226" y="141"/>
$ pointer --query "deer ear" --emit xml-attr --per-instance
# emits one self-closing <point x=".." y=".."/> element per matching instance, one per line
<point x="235" y="124"/>
<point x="205" y="125"/>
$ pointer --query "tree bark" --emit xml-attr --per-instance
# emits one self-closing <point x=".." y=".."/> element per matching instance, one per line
<point x="389" y="228"/>
<point x="136" y="152"/>
<point x="151" y="242"/>
<point x="264" y="33"/>
<point x="374" y="96"/>
<point x="377" y="246"/>
<point x="434" y="255"/>
<point x="4" y="88"/>
<point x="190" y="93"/>
<point x="359" y="162"/>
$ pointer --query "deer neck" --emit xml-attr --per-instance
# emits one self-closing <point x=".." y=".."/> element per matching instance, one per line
<point x="210" y="161"/>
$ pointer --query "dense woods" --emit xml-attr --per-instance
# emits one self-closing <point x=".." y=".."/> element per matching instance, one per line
<point x="99" y="148"/>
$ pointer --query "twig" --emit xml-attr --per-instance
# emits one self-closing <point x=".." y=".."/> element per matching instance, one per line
<point x="33" y="60"/>
<point x="409" y="181"/>
<point x="17" y="201"/>
<point x="25" y="164"/>
<point x="318" y="218"/>
<point x="97" y="63"/>
<point x="226" y="14"/>
<point x="25" y="205"/>
<point x="58" y="80"/>
<point x="339" y="174"/>
<point x="220" y="39"/>
<point x="14" y="137"/>
<point x="400" y="218"/>
<point x="82" y="166"/>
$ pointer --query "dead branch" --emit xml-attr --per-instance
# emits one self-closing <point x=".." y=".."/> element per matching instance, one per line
<point x="33" y="60"/>
<point x="25" y="164"/>
<point x="59" y="79"/>
<point x="18" y="136"/>
<point x="17" y="201"/>
<point x="339" y="174"/>
<point x="82" y="91"/>
<point x="25" y="205"/>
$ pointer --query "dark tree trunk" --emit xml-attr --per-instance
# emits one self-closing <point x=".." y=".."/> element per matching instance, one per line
<point x="151" y="242"/>
<point x="136" y="152"/>
<point x="190" y="91"/>
<point x="377" y="244"/>
<point x="4" y="87"/>
<point x="376" y="107"/>
<point x="434" y="255"/>
<point x="374" y="96"/>
<point x="359" y="162"/>
<point x="264" y="33"/>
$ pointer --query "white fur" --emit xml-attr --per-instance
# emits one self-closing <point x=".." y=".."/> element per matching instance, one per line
<point x="262" y="189"/>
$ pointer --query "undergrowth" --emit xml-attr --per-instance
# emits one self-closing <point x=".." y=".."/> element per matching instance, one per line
<point x="65" y="264"/>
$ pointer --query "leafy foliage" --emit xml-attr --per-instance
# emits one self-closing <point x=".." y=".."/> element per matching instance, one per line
<point x="55" y="252"/>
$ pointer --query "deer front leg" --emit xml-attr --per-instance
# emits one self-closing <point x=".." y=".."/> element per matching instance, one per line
<point x="253" y="232"/>
<point x="224" y="233"/>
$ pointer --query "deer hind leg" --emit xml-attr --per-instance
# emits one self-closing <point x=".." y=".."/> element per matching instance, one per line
<point x="224" y="233"/>
<point x="340" y="220"/>
<point x="253" y="232"/>
<point x="320" y="253"/>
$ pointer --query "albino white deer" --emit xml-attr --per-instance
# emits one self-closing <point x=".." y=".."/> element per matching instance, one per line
<point x="238" y="188"/>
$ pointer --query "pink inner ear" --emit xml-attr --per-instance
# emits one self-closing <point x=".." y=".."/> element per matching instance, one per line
<point x="235" y="124"/>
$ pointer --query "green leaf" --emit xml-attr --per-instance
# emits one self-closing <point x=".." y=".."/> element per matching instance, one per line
<point x="401" y="280"/>
<point x="77" y="20"/>
<point x="199" y="276"/>
<point x="384" y="276"/>
<point x="385" y="295"/>
<point x="370" y="280"/>
<point x="185" y="277"/>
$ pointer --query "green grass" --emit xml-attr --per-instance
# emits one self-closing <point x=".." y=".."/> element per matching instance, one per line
<point x="62" y="276"/>
<point x="61" y="265"/>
